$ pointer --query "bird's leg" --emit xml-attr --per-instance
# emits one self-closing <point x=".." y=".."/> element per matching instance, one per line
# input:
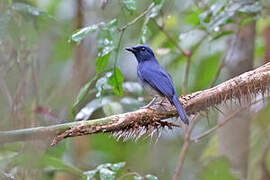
<point x="161" y="101"/>
<point x="150" y="104"/>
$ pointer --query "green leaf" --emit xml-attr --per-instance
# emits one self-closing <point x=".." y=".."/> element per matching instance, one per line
<point x="82" y="94"/>
<point x="81" y="33"/>
<point x="105" y="43"/>
<point x="218" y="168"/>
<point x="221" y="34"/>
<point x="111" y="25"/>
<point x="90" y="174"/>
<point x="220" y="13"/>
<point x="138" y="178"/>
<point x="130" y="5"/>
<point x="151" y="177"/>
<point x="59" y="165"/>
<point x="117" y="166"/>
<point x="145" y="34"/>
<point x="155" y="10"/>
<point x="193" y="17"/>
<point x="86" y="112"/>
<point x="30" y="10"/>
<point x="157" y="2"/>
<point x="116" y="80"/>
<point x="251" y="8"/>
<point x="106" y="174"/>
<point x="145" y="31"/>
<point x="102" y="62"/>
<point x="4" y="22"/>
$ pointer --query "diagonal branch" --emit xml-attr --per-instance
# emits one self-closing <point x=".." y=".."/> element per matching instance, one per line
<point x="146" y="120"/>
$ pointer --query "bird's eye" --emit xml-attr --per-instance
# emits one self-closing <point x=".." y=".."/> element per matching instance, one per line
<point x="143" y="49"/>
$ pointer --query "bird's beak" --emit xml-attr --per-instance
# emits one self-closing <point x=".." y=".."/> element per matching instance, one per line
<point x="131" y="49"/>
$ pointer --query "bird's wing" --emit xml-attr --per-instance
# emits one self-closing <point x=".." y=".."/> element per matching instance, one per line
<point x="160" y="80"/>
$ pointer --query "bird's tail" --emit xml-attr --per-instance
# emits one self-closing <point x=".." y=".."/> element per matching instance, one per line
<point x="181" y="111"/>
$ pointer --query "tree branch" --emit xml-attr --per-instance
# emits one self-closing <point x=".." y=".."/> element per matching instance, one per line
<point x="185" y="147"/>
<point x="142" y="121"/>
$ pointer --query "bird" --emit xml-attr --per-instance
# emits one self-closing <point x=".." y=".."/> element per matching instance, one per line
<point x="156" y="80"/>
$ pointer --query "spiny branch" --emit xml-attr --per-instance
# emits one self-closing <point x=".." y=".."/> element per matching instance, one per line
<point x="245" y="85"/>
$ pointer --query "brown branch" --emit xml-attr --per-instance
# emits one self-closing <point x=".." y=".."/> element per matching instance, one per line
<point x="185" y="147"/>
<point x="143" y="120"/>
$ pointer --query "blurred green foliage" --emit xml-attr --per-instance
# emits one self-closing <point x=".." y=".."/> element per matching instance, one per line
<point x="38" y="41"/>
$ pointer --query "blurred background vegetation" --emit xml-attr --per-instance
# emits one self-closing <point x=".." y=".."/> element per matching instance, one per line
<point x="62" y="60"/>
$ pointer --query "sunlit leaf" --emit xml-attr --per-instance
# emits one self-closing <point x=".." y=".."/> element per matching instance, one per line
<point x="80" y="34"/>
<point x="145" y="34"/>
<point x="151" y="177"/>
<point x="155" y="10"/>
<point x="220" y="13"/>
<point x="117" y="166"/>
<point x="106" y="174"/>
<point x="111" y="25"/>
<point x="88" y="110"/>
<point x="116" y="80"/>
<point x="105" y="43"/>
<point x="106" y="171"/>
<point x="138" y="178"/>
<point x="90" y="174"/>
<point x="130" y="5"/>
<point x="251" y="8"/>
<point x="102" y="84"/>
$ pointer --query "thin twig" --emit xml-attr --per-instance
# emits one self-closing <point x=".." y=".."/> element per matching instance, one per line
<point x="137" y="18"/>
<point x="185" y="147"/>
<point x="206" y="133"/>
<point x="172" y="39"/>
<point x="118" y="48"/>
<point x="184" y="89"/>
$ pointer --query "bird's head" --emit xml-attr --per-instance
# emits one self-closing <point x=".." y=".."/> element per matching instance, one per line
<point x="142" y="52"/>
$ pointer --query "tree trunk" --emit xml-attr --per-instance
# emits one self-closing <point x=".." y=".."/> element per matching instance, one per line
<point x="234" y="137"/>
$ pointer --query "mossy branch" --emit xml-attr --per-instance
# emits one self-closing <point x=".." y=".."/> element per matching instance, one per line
<point x="136" y="123"/>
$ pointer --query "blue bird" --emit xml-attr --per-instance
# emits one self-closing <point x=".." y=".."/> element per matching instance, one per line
<point x="155" y="79"/>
